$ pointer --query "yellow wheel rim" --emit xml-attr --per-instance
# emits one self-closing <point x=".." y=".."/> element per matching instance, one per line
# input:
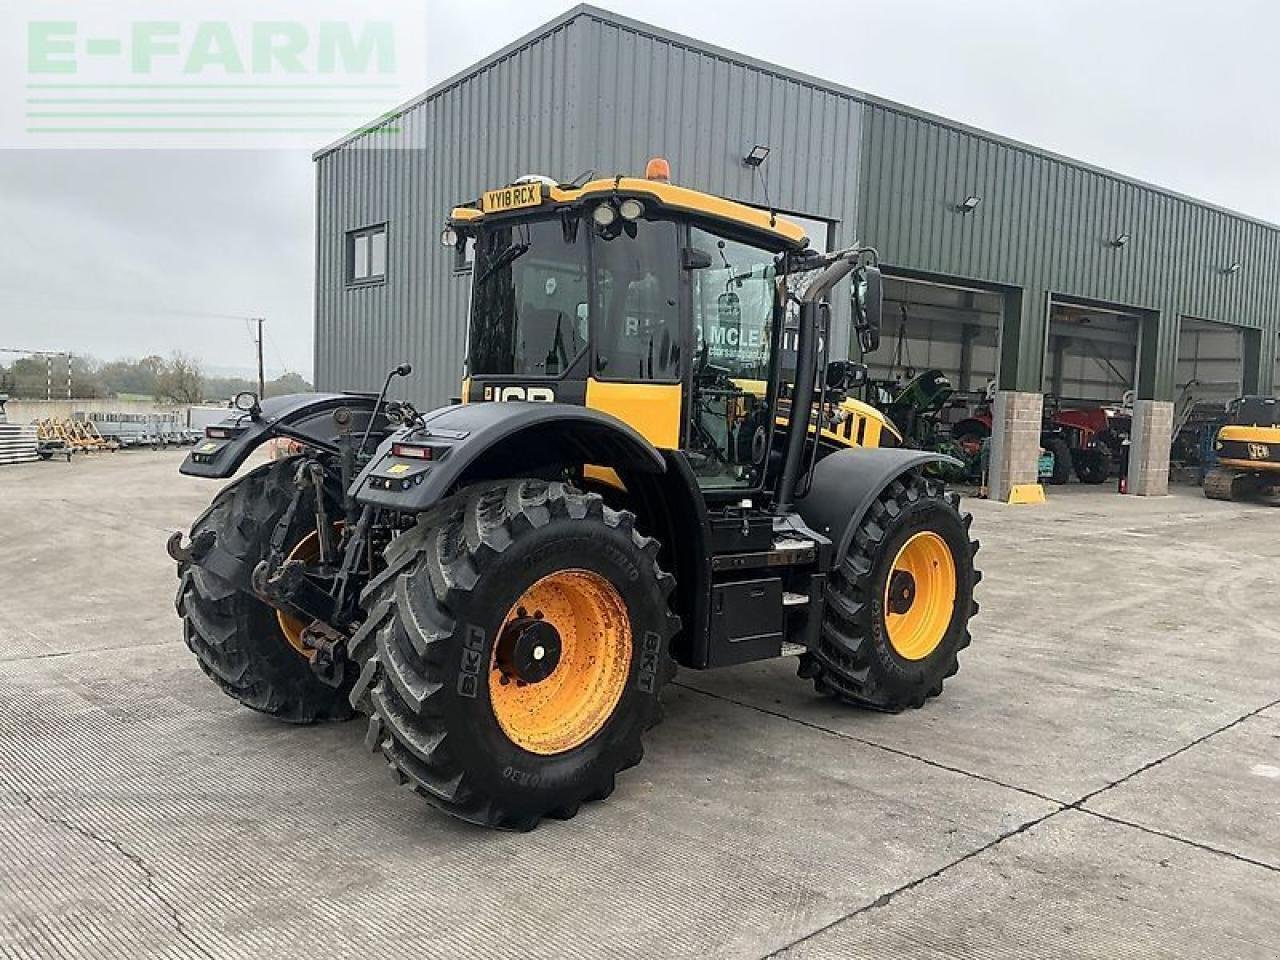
<point x="560" y="662"/>
<point x="308" y="551"/>
<point x="920" y="596"/>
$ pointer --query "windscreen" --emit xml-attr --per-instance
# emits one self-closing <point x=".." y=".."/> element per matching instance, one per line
<point x="529" y="302"/>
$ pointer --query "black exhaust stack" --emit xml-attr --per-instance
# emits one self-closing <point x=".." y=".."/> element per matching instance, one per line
<point x="806" y="376"/>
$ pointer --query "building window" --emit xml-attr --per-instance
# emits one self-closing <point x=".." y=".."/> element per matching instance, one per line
<point x="367" y="254"/>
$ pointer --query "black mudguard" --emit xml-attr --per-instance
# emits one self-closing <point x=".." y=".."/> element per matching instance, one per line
<point x="846" y="484"/>
<point x="306" y="417"/>
<point x="465" y="443"/>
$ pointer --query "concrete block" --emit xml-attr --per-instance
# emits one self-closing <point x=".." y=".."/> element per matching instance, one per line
<point x="1149" y="448"/>
<point x="1015" y="443"/>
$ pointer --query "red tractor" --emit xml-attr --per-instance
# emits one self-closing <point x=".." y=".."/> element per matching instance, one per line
<point x="1096" y="438"/>
<point x="1088" y="439"/>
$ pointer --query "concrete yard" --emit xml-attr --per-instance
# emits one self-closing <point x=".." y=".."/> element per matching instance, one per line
<point x="1101" y="779"/>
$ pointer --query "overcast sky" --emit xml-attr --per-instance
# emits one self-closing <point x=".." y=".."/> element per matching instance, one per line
<point x="117" y="253"/>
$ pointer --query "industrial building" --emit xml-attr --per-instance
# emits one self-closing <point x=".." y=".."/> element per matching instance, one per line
<point x="1010" y="267"/>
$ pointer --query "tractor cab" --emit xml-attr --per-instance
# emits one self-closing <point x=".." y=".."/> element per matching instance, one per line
<point x="663" y="306"/>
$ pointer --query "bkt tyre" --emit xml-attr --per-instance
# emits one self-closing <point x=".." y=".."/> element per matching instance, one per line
<point x="248" y="650"/>
<point x="515" y="651"/>
<point x="898" y="607"/>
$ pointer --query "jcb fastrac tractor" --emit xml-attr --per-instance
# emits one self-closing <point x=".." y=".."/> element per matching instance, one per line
<point x="504" y="585"/>
<point x="1248" y="451"/>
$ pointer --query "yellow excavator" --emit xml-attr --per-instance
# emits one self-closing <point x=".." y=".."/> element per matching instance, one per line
<point x="1248" y="452"/>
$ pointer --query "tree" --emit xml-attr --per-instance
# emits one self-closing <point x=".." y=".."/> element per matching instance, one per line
<point x="180" y="379"/>
<point x="136" y="377"/>
<point x="288" y="383"/>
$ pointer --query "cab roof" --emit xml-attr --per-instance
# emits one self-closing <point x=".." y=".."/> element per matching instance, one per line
<point x="763" y="225"/>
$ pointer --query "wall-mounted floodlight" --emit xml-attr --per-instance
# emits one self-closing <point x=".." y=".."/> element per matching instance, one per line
<point x="757" y="155"/>
<point x="1121" y="240"/>
<point x="1234" y="268"/>
<point x="968" y="204"/>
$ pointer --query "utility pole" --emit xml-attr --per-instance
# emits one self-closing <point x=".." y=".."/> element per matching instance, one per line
<point x="262" y="382"/>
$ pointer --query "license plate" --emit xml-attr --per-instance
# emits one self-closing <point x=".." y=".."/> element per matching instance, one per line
<point x="512" y="198"/>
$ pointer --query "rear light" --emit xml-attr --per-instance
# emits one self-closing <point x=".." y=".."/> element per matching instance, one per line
<point x="415" y="453"/>
<point x="216" y="433"/>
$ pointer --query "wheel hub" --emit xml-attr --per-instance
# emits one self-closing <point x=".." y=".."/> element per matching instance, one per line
<point x="920" y="595"/>
<point x="528" y="649"/>
<point x="560" y="661"/>
<point x="902" y="591"/>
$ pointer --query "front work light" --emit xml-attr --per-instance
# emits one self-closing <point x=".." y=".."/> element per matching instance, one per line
<point x="631" y="209"/>
<point x="604" y="215"/>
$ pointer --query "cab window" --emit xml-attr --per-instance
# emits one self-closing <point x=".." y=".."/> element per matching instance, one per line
<point x="637" y="290"/>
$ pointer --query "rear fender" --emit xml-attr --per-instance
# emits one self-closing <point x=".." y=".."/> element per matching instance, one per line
<point x="305" y="417"/>
<point x="467" y="443"/>
<point x="847" y="483"/>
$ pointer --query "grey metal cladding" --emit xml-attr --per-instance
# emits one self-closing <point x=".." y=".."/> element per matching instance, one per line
<point x="1048" y="224"/>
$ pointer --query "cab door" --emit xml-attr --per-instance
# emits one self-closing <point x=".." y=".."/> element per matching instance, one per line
<point x="734" y="307"/>
<point x="639" y="350"/>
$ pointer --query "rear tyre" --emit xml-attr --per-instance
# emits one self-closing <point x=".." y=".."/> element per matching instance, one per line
<point x="1093" y="466"/>
<point x="237" y="638"/>
<point x="515" y="651"/>
<point x="898" y="606"/>
<point x="1061" y="451"/>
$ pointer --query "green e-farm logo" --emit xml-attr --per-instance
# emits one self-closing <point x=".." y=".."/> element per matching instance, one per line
<point x="274" y="47"/>
<point x="147" y="73"/>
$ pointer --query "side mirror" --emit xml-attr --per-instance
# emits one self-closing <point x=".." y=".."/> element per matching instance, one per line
<point x="867" y="303"/>
<point x="691" y="258"/>
<point x="845" y="374"/>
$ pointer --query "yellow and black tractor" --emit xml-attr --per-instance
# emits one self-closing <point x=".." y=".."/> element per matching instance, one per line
<point x="503" y="586"/>
<point x="1248" y="452"/>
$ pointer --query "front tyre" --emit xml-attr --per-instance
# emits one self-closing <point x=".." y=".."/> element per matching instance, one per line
<point x="898" y="607"/>
<point x="515" y="651"/>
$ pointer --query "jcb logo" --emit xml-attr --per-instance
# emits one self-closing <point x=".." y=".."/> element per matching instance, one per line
<point x="532" y="394"/>
<point x="1259" y="451"/>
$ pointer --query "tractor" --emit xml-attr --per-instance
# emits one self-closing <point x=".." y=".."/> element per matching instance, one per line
<point x="1247" y="449"/>
<point x="653" y="461"/>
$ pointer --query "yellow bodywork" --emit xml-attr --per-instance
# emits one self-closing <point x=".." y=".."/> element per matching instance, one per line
<point x="851" y="423"/>
<point x="1262" y="444"/>
<point x="664" y="195"/>
<point x="651" y="409"/>
<point x="858" y="424"/>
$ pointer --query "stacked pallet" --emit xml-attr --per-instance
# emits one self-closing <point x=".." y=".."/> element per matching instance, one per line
<point x="17" y="443"/>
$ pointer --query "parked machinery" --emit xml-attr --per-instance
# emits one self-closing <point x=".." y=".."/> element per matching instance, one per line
<point x="504" y="586"/>
<point x="1248" y="453"/>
